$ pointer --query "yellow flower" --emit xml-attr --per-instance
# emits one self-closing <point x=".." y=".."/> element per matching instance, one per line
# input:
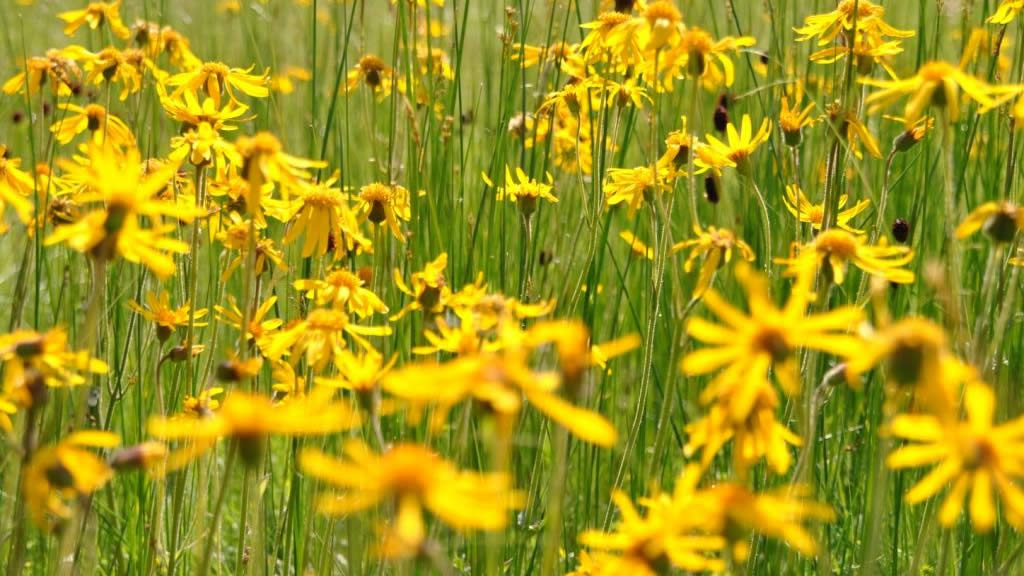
<point x="1006" y="12"/>
<point x="36" y="361"/>
<point x="742" y="143"/>
<point x="373" y="72"/>
<point x="158" y="310"/>
<point x="187" y="109"/>
<point x="747" y="347"/>
<point x="359" y="372"/>
<point x="96" y="120"/>
<point x="264" y="161"/>
<point x="525" y="192"/>
<point x="57" y="67"/>
<point x="793" y="120"/>
<point x="760" y="435"/>
<point x="125" y="67"/>
<point x="250" y="420"/>
<point x="703" y="57"/>
<point x="1000" y="220"/>
<point x="260" y="328"/>
<point x="61" y="473"/>
<point x="415" y="480"/>
<point x="716" y="246"/>
<point x="834" y="249"/>
<point x="215" y="78"/>
<point x="428" y="287"/>
<point x="284" y="82"/>
<point x="736" y="511"/>
<point x="937" y="83"/>
<point x="867" y="15"/>
<point x="805" y="211"/>
<point x="634" y="185"/>
<point x="203" y="146"/>
<point x="381" y="203"/>
<point x="16" y="187"/>
<point x="343" y="289"/>
<point x="974" y="454"/>
<point x="320" y="336"/>
<point x="668" y="535"/>
<point x="94" y="15"/>
<point x="322" y="213"/>
<point x="850" y="127"/>
<point x="126" y="194"/>
<point x="499" y="380"/>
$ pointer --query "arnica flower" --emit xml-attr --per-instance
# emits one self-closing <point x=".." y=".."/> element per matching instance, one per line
<point x="117" y="183"/>
<point x="634" y="186"/>
<point x="188" y="110"/>
<point x="95" y="15"/>
<point x="736" y="511"/>
<point x="319" y="337"/>
<point x="235" y="237"/>
<point x="913" y="135"/>
<point x="1006" y="12"/>
<point x="94" y="119"/>
<point x="250" y="420"/>
<point x="216" y="78"/>
<point x="793" y="120"/>
<point x="741" y="143"/>
<point x="715" y="245"/>
<point x="384" y="204"/>
<point x="360" y="372"/>
<point x="374" y="73"/>
<point x="1000" y="220"/>
<point x="669" y="534"/>
<point x="525" y="191"/>
<point x="761" y="435"/>
<point x="57" y="67"/>
<point x="852" y="129"/>
<point x="158" y="310"/>
<point x="125" y="67"/>
<point x="260" y="328"/>
<point x="576" y="354"/>
<point x="975" y="454"/>
<point x="501" y="381"/>
<point x="603" y="44"/>
<point x="868" y="16"/>
<point x="321" y="212"/>
<point x="34" y="362"/>
<point x="916" y="356"/>
<point x="748" y="346"/>
<point x="342" y="289"/>
<point x="416" y="481"/>
<point x="16" y="187"/>
<point x="428" y="287"/>
<point x="203" y="147"/>
<point x="466" y="338"/>
<point x="264" y="161"/>
<point x="833" y="250"/>
<point x="702" y="57"/>
<point x="658" y="26"/>
<point x="936" y="83"/>
<point x="806" y="211"/>
<point x="58" y="475"/>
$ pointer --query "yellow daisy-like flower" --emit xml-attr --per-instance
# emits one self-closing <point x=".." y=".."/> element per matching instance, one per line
<point x="428" y="287"/>
<point x="975" y="454"/>
<point x="158" y="310"/>
<point x="215" y="78"/>
<point x="806" y="211"/>
<point x="525" y="191"/>
<point x="61" y="473"/>
<point x="793" y="120"/>
<point x="1000" y="220"/>
<point x="321" y="212"/>
<point x="715" y="245"/>
<point x="415" y="480"/>
<point x="374" y="73"/>
<point x="834" y="249"/>
<point x="96" y="120"/>
<point x="869" y="18"/>
<point x="937" y="83"/>
<point x="16" y="187"/>
<point x="94" y="15"/>
<point x="1006" y="12"/>
<point x="634" y="186"/>
<point x="384" y="204"/>
<point x="741" y="143"/>
<point x="342" y="289"/>
<point x="319" y="336"/>
<point x="748" y="347"/>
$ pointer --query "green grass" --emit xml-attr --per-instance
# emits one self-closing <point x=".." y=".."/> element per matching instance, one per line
<point x="442" y="147"/>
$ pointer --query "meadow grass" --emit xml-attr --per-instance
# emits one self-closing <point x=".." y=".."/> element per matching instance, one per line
<point x="444" y="136"/>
